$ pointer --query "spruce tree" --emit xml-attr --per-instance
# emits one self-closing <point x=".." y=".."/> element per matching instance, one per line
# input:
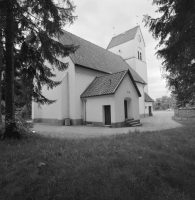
<point x="31" y="32"/>
<point x="2" y="28"/>
<point x="175" y="30"/>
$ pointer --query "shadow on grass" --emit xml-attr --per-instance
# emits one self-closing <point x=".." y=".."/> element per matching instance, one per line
<point x="149" y="165"/>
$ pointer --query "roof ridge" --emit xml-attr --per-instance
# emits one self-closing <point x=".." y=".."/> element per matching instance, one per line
<point x="120" y="81"/>
<point x="94" y="44"/>
<point x="112" y="73"/>
<point x="126" y="31"/>
<point x="121" y="37"/>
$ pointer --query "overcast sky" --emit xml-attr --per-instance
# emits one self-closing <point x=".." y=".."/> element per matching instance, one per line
<point x="99" y="20"/>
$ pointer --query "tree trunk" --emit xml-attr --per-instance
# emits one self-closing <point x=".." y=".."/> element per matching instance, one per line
<point x="1" y="69"/>
<point x="10" y="124"/>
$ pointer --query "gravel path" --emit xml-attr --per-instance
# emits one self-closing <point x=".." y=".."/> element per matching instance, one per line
<point x="160" y="121"/>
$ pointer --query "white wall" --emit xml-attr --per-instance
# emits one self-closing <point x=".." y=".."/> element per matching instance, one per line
<point x="58" y="110"/>
<point x="125" y="50"/>
<point x="83" y="79"/>
<point x="141" y="99"/>
<point x="140" y="65"/>
<point x="126" y="90"/>
<point x="95" y="109"/>
<point x="139" y="45"/>
<point x="62" y="107"/>
<point x="147" y="104"/>
<point x="95" y="105"/>
<point x="129" y="52"/>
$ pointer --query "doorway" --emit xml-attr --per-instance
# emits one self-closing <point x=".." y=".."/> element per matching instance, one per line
<point x="150" y="110"/>
<point x="107" y="115"/>
<point x="125" y="107"/>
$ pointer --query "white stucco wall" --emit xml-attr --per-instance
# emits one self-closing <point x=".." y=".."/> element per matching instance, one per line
<point x="58" y="110"/>
<point x="129" y="52"/>
<point x="147" y="104"/>
<point x="62" y="107"/>
<point x="125" y="50"/>
<point x="141" y="99"/>
<point x="140" y="65"/>
<point x="139" y="46"/>
<point x="95" y="109"/>
<point x="83" y="78"/>
<point x="126" y="90"/>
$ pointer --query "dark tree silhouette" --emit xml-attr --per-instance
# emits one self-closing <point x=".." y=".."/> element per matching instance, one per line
<point x="30" y="35"/>
<point x="175" y="30"/>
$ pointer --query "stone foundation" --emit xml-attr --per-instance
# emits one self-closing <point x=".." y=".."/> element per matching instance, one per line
<point x="57" y="121"/>
<point x="78" y="122"/>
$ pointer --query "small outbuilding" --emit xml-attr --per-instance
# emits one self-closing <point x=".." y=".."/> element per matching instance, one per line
<point x="111" y="99"/>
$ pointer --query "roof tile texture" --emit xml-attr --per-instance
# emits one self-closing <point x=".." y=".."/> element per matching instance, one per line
<point x="104" y="85"/>
<point x="148" y="98"/>
<point x="97" y="58"/>
<point x="122" y="38"/>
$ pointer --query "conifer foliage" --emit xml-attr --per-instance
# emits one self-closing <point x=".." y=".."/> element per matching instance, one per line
<point x="175" y="30"/>
<point x="30" y="34"/>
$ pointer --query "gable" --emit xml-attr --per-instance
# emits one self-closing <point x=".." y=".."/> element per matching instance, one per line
<point x="139" y="32"/>
<point x="108" y="84"/>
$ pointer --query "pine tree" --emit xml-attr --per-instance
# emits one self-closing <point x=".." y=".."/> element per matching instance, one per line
<point x="31" y="32"/>
<point x="2" y="27"/>
<point x="175" y="30"/>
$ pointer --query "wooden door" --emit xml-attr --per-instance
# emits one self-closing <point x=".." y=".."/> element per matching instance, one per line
<point x="107" y="115"/>
<point x="125" y="107"/>
<point x="150" y="110"/>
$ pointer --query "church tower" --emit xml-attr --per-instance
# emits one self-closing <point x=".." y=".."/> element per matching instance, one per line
<point x="130" y="46"/>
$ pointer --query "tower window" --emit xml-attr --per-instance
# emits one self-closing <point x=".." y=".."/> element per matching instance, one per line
<point x="138" y="54"/>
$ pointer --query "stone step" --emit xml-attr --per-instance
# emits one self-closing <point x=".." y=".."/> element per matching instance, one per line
<point x="129" y="119"/>
<point x="134" y="125"/>
<point x="132" y="122"/>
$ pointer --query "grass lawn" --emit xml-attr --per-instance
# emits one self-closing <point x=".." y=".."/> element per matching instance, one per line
<point x="151" y="165"/>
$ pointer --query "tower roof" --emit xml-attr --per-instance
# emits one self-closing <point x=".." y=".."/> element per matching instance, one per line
<point x="123" y="37"/>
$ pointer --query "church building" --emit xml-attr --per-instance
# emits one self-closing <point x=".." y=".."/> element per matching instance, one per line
<point x="101" y="87"/>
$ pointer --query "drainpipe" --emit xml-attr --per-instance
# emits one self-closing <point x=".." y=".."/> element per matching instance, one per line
<point x="144" y="108"/>
<point x="85" y="101"/>
<point x="144" y="103"/>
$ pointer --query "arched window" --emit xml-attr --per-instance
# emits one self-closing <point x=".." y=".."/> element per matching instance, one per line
<point x="139" y="53"/>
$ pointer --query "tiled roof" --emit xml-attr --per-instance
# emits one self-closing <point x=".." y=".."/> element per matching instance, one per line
<point x="148" y="98"/>
<point x="123" y="37"/>
<point x="94" y="57"/>
<point x="107" y="84"/>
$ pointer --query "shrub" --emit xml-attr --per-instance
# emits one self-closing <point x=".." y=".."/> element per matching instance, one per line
<point x="23" y="127"/>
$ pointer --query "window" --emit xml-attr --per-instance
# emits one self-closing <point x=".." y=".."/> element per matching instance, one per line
<point x="139" y="53"/>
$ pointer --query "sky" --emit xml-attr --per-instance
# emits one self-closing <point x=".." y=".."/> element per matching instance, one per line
<point x="99" y="20"/>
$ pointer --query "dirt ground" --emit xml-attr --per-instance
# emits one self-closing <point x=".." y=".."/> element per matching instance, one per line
<point x="160" y="120"/>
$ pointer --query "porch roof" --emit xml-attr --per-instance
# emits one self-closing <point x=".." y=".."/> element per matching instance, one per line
<point x="108" y="84"/>
<point x="147" y="98"/>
